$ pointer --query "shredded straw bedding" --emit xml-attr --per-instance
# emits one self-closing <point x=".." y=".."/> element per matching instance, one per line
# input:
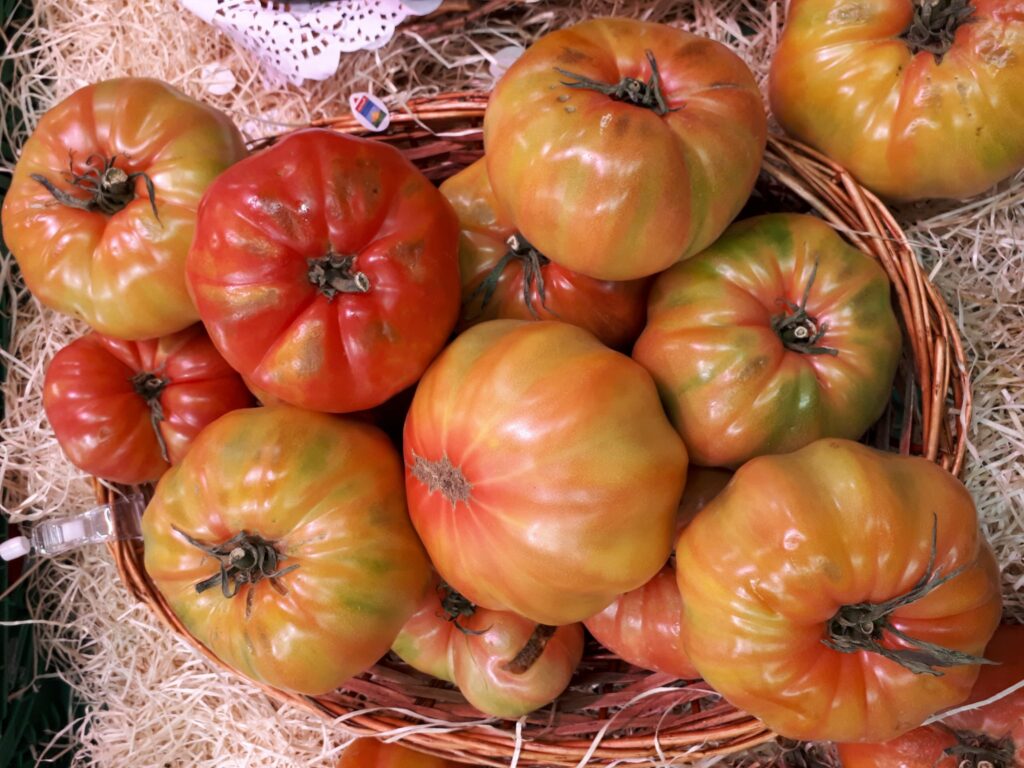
<point x="150" y="700"/>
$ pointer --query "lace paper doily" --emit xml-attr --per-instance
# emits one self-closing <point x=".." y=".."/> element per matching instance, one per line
<point x="303" y="40"/>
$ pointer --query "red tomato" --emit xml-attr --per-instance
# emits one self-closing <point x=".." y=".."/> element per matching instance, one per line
<point x="506" y="277"/>
<point x="126" y="410"/>
<point x="642" y="626"/>
<point x="620" y="147"/>
<point x="89" y="237"/>
<point x="283" y="544"/>
<point x="994" y="733"/>
<point x="370" y="753"/>
<point x="505" y="665"/>
<point x="917" y="99"/>
<point x="326" y="270"/>
<point x="814" y="583"/>
<point x="541" y="472"/>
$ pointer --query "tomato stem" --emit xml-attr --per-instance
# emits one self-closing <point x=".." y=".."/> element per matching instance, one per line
<point x="933" y="27"/>
<point x="863" y="626"/>
<point x="533" y="262"/>
<point x="976" y="750"/>
<point x="455" y="606"/>
<point x="150" y="387"/>
<point x="799" y="331"/>
<point x="443" y="476"/>
<point x="333" y="274"/>
<point x="109" y="188"/>
<point x="629" y="89"/>
<point x="532" y="651"/>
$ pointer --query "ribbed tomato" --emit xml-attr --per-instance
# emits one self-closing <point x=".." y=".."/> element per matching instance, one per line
<point x="126" y="410"/>
<point x="917" y="98"/>
<point x="642" y="626"/>
<point x="326" y="270"/>
<point x="503" y="276"/>
<point x="102" y="206"/>
<point x="838" y="592"/>
<point x="541" y="472"/>
<point x="282" y="542"/>
<point x="505" y="665"/>
<point x="620" y="147"/>
<point x="777" y="335"/>
<point x="370" y="753"/>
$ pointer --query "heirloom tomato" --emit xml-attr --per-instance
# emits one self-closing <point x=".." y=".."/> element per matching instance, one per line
<point x="987" y="737"/>
<point x="916" y="98"/>
<point x="283" y="544"/>
<point x="838" y="592"/>
<point x="619" y="147"/>
<point x="102" y="206"/>
<point x="126" y="410"/>
<point x="505" y="665"/>
<point x="642" y="626"/>
<point x="326" y="270"/>
<point x="504" y="276"/>
<point x="542" y="475"/>
<point x="777" y="335"/>
<point x="370" y="753"/>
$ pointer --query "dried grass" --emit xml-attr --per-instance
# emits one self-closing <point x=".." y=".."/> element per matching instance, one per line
<point x="150" y="700"/>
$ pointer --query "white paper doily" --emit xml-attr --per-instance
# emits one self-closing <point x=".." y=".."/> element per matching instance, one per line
<point x="303" y="40"/>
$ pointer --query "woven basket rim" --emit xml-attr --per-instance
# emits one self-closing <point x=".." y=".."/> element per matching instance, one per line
<point x="441" y="133"/>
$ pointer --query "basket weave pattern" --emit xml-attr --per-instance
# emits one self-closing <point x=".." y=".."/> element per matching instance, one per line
<point x="613" y="711"/>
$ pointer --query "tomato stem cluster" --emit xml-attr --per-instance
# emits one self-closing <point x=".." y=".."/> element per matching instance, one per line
<point x="975" y="750"/>
<point x="798" y="330"/>
<point x="110" y="188"/>
<point x="934" y="25"/>
<point x="332" y="274"/>
<point x="149" y="387"/>
<point x="533" y="262"/>
<point x="629" y="89"/>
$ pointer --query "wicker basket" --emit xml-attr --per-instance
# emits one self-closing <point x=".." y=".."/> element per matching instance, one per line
<point x="612" y="711"/>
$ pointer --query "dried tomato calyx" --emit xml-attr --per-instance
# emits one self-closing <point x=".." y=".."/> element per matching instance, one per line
<point x="863" y="626"/>
<point x="976" y="750"/>
<point x="108" y="188"/>
<point x="333" y="273"/>
<point x="799" y="331"/>
<point x="642" y="94"/>
<point x="455" y="606"/>
<point x="533" y="261"/>
<point x="441" y="475"/>
<point x="934" y="25"/>
<point x="149" y="387"/>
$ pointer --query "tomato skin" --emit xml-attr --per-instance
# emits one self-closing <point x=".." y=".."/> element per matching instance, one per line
<point x="834" y="524"/>
<point x="612" y="311"/>
<point x="312" y="195"/>
<point x="327" y="493"/>
<point x="919" y="748"/>
<point x="474" y="655"/>
<point x="124" y="274"/>
<point x="105" y="426"/>
<point x="662" y="187"/>
<point x="908" y="127"/>
<point x="540" y="427"/>
<point x="730" y="385"/>
<point x="642" y="626"/>
<point x="370" y="753"/>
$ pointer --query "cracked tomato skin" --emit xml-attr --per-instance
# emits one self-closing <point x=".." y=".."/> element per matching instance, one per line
<point x="905" y="125"/>
<point x="313" y="195"/>
<point x="535" y="441"/>
<point x="731" y="386"/>
<point x="327" y="493"/>
<point x="124" y="273"/>
<point x="834" y="524"/>
<point x="612" y="311"/>
<point x="610" y="189"/>
<point x="104" y="425"/>
<point x="370" y="753"/>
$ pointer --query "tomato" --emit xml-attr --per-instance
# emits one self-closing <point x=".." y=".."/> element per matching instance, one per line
<point x="370" y="753"/>
<point x="282" y="543"/>
<point x="994" y="733"/>
<point x="777" y="335"/>
<point x="503" y="276"/>
<point x="542" y="475"/>
<point x="642" y="626"/>
<point x="915" y="101"/>
<point x="326" y="270"/>
<point x="505" y="665"/>
<point x="620" y="147"/>
<point x="812" y="584"/>
<point x="89" y="239"/>
<point x="126" y="410"/>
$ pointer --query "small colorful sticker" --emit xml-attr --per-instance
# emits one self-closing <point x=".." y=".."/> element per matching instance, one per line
<point x="368" y="110"/>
